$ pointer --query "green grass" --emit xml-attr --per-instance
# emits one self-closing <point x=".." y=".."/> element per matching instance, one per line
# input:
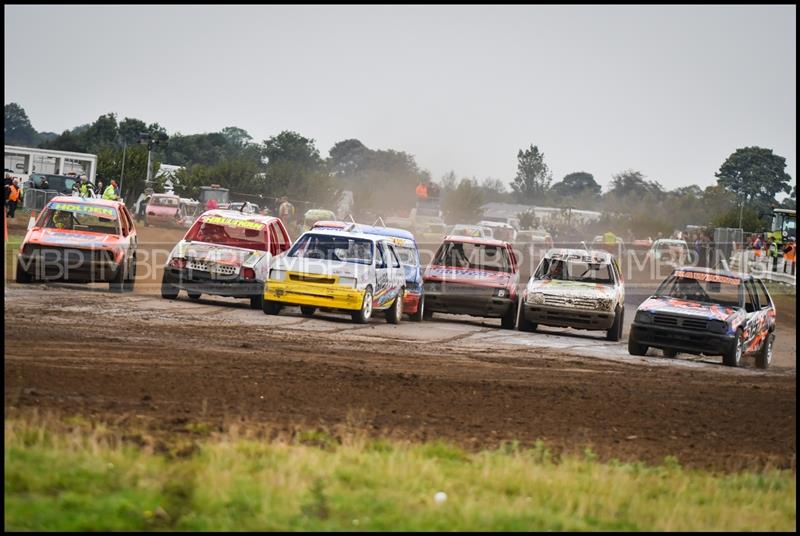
<point x="79" y="476"/>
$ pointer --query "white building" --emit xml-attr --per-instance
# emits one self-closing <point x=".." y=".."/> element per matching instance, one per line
<point x="22" y="161"/>
<point x="511" y="211"/>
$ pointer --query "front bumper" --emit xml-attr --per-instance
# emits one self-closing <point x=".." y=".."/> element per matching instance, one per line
<point x="196" y="281"/>
<point x="568" y="317"/>
<point x="466" y="300"/>
<point x="68" y="264"/>
<point x="314" y="294"/>
<point x="683" y="340"/>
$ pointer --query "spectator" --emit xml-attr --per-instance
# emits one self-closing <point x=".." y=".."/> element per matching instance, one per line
<point x="286" y="212"/>
<point x="111" y="191"/>
<point x="422" y="191"/>
<point x="13" y="198"/>
<point x="789" y="255"/>
<point x="99" y="189"/>
<point x="140" y="214"/>
<point x="211" y="204"/>
<point x="44" y="185"/>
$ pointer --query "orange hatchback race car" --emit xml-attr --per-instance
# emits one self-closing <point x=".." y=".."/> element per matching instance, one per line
<point x="80" y="241"/>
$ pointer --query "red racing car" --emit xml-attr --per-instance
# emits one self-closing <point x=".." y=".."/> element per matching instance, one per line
<point x="82" y="241"/>
<point x="473" y="276"/>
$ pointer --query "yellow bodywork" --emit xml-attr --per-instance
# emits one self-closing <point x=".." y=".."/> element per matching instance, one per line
<point x="317" y="291"/>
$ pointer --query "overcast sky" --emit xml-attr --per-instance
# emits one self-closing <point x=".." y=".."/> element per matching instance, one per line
<point x="667" y="90"/>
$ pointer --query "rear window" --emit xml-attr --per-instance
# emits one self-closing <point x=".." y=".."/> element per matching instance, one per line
<point x="230" y="232"/>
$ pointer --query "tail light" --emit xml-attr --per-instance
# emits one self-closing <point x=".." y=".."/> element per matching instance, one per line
<point x="248" y="273"/>
<point x="177" y="263"/>
<point x="151" y="213"/>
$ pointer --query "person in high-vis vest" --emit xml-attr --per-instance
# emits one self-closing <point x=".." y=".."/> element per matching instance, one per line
<point x="62" y="220"/>
<point x="111" y="191"/>
<point x="789" y="255"/>
<point x="609" y="238"/>
<point x="83" y="187"/>
<point x="772" y="251"/>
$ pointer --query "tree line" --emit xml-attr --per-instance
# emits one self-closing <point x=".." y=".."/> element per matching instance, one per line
<point x="383" y="181"/>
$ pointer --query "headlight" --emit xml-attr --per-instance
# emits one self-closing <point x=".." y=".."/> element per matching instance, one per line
<point x="605" y="304"/>
<point x="643" y="317"/>
<point x="348" y="281"/>
<point x="501" y="292"/>
<point x="536" y="298"/>
<point x="277" y="275"/>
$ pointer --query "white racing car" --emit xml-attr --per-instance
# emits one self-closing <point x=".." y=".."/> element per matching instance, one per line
<point x="575" y="288"/>
<point x="338" y="270"/>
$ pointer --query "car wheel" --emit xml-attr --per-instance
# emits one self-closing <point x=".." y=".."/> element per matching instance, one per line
<point x="308" y="310"/>
<point x="255" y="301"/>
<point x="615" y="332"/>
<point x="509" y="320"/>
<point x="733" y="356"/>
<point x="420" y="313"/>
<point x="764" y="356"/>
<point x="525" y="324"/>
<point x="668" y="352"/>
<point x="427" y="314"/>
<point x="117" y="284"/>
<point x="270" y="307"/>
<point x="634" y="348"/>
<point x="395" y="312"/>
<point x="22" y="276"/>
<point x="168" y="292"/>
<point x="363" y="315"/>
<point x="127" y="286"/>
<point x="194" y="296"/>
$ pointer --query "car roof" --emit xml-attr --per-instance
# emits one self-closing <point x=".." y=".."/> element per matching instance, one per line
<point x="86" y="200"/>
<point x="345" y="234"/>
<point x="385" y="231"/>
<point x="476" y="240"/>
<point x="726" y="273"/>
<point x="237" y="215"/>
<point x="605" y="255"/>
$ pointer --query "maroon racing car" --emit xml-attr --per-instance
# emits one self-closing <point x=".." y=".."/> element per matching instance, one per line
<point x="473" y="276"/>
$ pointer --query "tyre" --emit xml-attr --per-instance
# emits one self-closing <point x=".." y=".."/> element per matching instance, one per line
<point x="669" y="352"/>
<point x="168" y="292"/>
<point x="509" y="320"/>
<point x="418" y="316"/>
<point x="395" y="313"/>
<point x="634" y="348"/>
<point x="117" y="283"/>
<point x="614" y="333"/>
<point x="733" y="355"/>
<point x="22" y="276"/>
<point x="307" y="310"/>
<point x="255" y="301"/>
<point x="270" y="307"/>
<point x="127" y="286"/>
<point x="363" y="315"/>
<point x="764" y="355"/>
<point x="194" y="296"/>
<point x="427" y="314"/>
<point x="525" y="324"/>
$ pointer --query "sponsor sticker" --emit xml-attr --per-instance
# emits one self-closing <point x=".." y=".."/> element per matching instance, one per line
<point x="94" y="210"/>
<point x="713" y="278"/>
<point x="233" y="222"/>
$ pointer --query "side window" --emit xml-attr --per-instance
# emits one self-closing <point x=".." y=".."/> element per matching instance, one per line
<point x="379" y="262"/>
<point x="393" y="256"/>
<point x="750" y="303"/>
<point x="123" y="222"/>
<point x="763" y="296"/>
<point x="273" y="239"/>
<point x="283" y="239"/>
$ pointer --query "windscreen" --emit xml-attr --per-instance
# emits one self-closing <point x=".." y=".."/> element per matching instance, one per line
<point x="475" y="256"/>
<point x="333" y="248"/>
<point x="408" y="256"/>
<point x="582" y="269"/>
<point x="81" y="217"/>
<point x="703" y="287"/>
<point x="230" y="232"/>
<point x="221" y="196"/>
<point x="164" y="201"/>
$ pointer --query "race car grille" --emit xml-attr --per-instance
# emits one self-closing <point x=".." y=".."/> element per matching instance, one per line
<point x="209" y="267"/>
<point x="455" y="288"/>
<point x="567" y="301"/>
<point x="60" y="254"/>
<point x="661" y="319"/>
<point x="305" y="278"/>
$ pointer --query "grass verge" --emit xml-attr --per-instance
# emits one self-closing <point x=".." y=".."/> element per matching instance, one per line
<point x="84" y="476"/>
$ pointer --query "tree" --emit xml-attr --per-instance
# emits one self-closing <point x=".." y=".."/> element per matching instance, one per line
<point x="754" y="174"/>
<point x="236" y="137"/>
<point x="527" y="219"/>
<point x="751" y="222"/>
<point x="578" y="184"/>
<point x="130" y="129"/>
<point x="109" y="166"/>
<point x="104" y="132"/>
<point x="347" y="157"/>
<point x="18" y="129"/>
<point x="533" y="176"/>
<point x="632" y="184"/>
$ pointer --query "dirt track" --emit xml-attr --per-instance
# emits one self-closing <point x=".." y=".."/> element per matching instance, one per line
<point x="77" y="351"/>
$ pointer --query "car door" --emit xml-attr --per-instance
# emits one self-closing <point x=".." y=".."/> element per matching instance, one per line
<point x="765" y="317"/>
<point x="752" y="315"/>
<point x="379" y="295"/>
<point x="397" y="276"/>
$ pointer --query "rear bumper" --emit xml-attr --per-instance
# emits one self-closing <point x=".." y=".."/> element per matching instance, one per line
<point x="568" y="317"/>
<point x="682" y="340"/>
<point x="203" y="283"/>
<point x="314" y="294"/>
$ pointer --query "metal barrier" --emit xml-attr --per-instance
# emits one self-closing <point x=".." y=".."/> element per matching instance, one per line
<point x="35" y="199"/>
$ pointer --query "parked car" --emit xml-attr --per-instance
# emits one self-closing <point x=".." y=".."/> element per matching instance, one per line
<point x="463" y="229"/>
<point x="473" y="276"/>
<point x="337" y="270"/>
<point x="80" y="241"/>
<point x="245" y="207"/>
<point x="225" y="253"/>
<point x="575" y="288"/>
<point x="316" y="214"/>
<point x="668" y="252"/>
<point x="709" y="312"/>
<point x="501" y="230"/>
